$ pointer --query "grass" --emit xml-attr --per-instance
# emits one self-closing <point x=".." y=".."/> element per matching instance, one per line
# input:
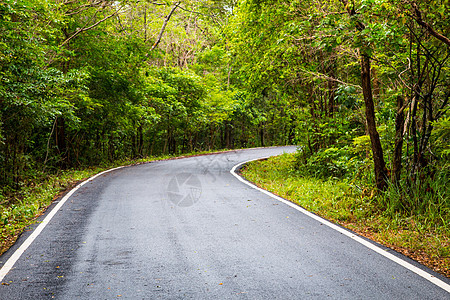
<point x="20" y="209"/>
<point x="416" y="236"/>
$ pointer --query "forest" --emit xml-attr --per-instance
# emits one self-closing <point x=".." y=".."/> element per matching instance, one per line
<point x="362" y="87"/>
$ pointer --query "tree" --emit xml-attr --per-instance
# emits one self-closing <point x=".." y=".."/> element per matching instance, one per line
<point x="365" y="53"/>
<point x="31" y="93"/>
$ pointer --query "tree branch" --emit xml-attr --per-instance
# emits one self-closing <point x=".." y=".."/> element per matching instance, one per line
<point x="418" y="17"/>
<point x="323" y="76"/>
<point x="163" y="28"/>
<point x="74" y="11"/>
<point x="90" y="27"/>
<point x="48" y="143"/>
<point x="443" y="108"/>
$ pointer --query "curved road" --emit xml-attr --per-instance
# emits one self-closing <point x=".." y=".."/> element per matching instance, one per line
<point x="188" y="229"/>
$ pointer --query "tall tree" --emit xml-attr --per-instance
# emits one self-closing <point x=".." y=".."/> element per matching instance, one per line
<point x="366" y="83"/>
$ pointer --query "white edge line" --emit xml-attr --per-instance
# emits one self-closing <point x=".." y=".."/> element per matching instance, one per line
<point x="18" y="253"/>
<point x="349" y="234"/>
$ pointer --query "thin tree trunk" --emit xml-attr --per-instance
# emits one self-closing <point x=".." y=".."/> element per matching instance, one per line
<point x="145" y="22"/>
<point x="141" y="141"/>
<point x="61" y="141"/>
<point x="377" y="151"/>
<point x="399" y="123"/>
<point x="331" y="86"/>
<point x="261" y="135"/>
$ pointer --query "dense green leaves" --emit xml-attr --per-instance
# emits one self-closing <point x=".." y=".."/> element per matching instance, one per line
<point x="82" y="83"/>
<point x="309" y="53"/>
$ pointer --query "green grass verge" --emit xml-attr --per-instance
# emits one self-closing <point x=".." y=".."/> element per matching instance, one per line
<point x="356" y="209"/>
<point x="21" y="208"/>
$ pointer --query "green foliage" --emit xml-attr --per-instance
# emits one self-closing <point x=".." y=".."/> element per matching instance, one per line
<point x="343" y="162"/>
<point x="31" y="93"/>
<point x="361" y="144"/>
<point x="347" y="97"/>
<point x="441" y="136"/>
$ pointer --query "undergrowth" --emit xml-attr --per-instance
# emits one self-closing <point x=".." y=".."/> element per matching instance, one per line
<point x="421" y="232"/>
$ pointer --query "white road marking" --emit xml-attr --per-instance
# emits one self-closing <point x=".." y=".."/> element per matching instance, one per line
<point x="351" y="235"/>
<point x="18" y="253"/>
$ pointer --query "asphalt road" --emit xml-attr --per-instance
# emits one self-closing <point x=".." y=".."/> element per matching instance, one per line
<point x="188" y="229"/>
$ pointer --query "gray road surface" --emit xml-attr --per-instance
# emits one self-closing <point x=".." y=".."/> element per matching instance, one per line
<point x="188" y="229"/>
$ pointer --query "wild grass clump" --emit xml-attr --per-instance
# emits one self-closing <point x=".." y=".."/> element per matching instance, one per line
<point x="339" y="200"/>
<point x="427" y="199"/>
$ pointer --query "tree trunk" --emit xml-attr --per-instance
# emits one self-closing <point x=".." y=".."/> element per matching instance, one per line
<point x="261" y="136"/>
<point x="376" y="85"/>
<point x="140" y="141"/>
<point x="331" y="85"/>
<point x="61" y="141"/>
<point x="377" y="151"/>
<point x="228" y="127"/>
<point x="133" y="144"/>
<point x="397" y="159"/>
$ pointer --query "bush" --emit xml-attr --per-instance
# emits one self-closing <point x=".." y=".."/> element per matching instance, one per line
<point x="331" y="162"/>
